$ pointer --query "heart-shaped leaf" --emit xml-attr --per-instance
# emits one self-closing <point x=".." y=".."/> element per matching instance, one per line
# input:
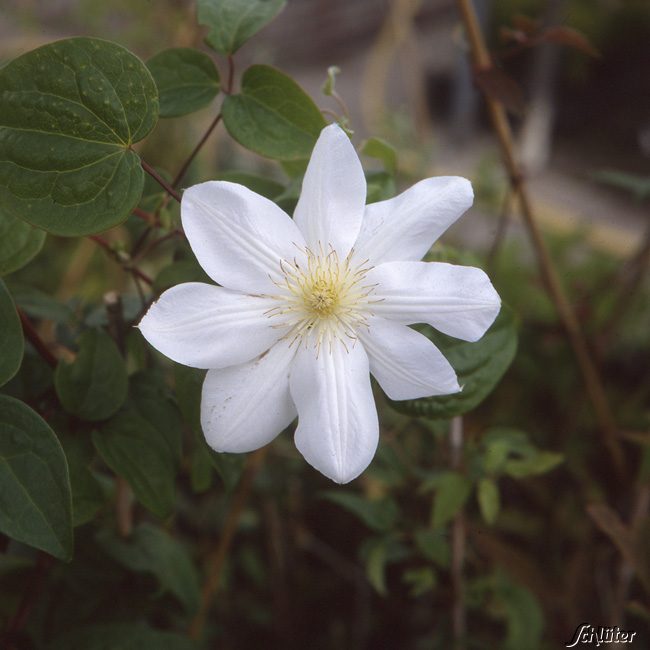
<point x="233" y="22"/>
<point x="273" y="115"/>
<point x="69" y="113"/>
<point x="187" y="80"/>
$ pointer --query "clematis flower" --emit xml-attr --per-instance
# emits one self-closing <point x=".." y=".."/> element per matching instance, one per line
<point x="309" y="306"/>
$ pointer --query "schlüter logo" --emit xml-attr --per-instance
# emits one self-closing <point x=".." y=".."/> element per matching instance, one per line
<point x="588" y="634"/>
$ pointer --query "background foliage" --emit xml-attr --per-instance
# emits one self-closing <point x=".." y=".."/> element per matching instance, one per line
<point x="493" y="518"/>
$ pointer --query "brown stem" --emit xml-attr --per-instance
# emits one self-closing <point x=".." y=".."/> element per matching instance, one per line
<point x="32" y="336"/>
<point x="458" y="539"/>
<point x="501" y="127"/>
<point x="218" y="557"/>
<point x="160" y="180"/>
<point x="145" y="216"/>
<point x="502" y="226"/>
<point x="231" y="74"/>
<point x="127" y="266"/>
<point x="185" y="166"/>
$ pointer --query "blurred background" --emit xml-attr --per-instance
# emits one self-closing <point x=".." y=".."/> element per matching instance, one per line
<point x="308" y="572"/>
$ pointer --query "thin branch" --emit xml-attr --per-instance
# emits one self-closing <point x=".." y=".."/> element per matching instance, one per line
<point x="160" y="180"/>
<point x="32" y="336"/>
<point x="185" y="166"/>
<point x="502" y="227"/>
<point x="501" y="127"/>
<point x="125" y="264"/>
<point x="145" y="216"/>
<point x="458" y="543"/>
<point x="218" y="558"/>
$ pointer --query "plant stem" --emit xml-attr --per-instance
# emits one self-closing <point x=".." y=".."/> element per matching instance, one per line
<point x="160" y="180"/>
<point x="458" y="543"/>
<point x="32" y="336"/>
<point x="134" y="270"/>
<point x="501" y="127"/>
<point x="217" y="559"/>
<point x="185" y="166"/>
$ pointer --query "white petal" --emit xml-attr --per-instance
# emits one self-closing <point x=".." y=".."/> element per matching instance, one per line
<point x="330" y="208"/>
<point x="338" y="430"/>
<point x="405" y="363"/>
<point x="244" y="407"/>
<point x="204" y="326"/>
<point x="457" y="300"/>
<point x="405" y="227"/>
<point x="238" y="236"/>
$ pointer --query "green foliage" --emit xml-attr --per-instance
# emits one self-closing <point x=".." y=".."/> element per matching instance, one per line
<point x="451" y="492"/>
<point x="71" y="112"/>
<point x="151" y="550"/>
<point x="479" y="367"/>
<point x="272" y="116"/>
<point x="382" y="151"/>
<point x="488" y="499"/>
<point x="142" y="443"/>
<point x="187" y="80"/>
<point x="232" y="22"/>
<point x="509" y="451"/>
<point x="121" y="636"/>
<point x="11" y="337"/>
<point x="35" y="501"/>
<point x="94" y="385"/>
<point x="19" y="243"/>
<point x="379" y="515"/>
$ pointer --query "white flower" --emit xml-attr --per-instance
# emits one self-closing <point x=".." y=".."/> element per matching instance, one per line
<point x="309" y="306"/>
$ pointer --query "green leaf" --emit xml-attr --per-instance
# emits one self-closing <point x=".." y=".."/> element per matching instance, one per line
<point x="232" y="22"/>
<point x="187" y="80"/>
<point x="638" y="186"/>
<point x="87" y="494"/>
<point x="38" y="304"/>
<point x="94" y="385"/>
<point x="488" y="499"/>
<point x="121" y="636"/>
<point x="537" y="463"/>
<point x="35" y="499"/>
<point x="142" y="443"/>
<point x="178" y="273"/>
<point x="273" y="116"/>
<point x="381" y="186"/>
<point x="422" y="580"/>
<point x="151" y="550"/>
<point x="70" y="112"/>
<point x="381" y="150"/>
<point x="380" y="515"/>
<point x="11" y="337"/>
<point x="19" y="243"/>
<point x="452" y="491"/>
<point x="260" y="184"/>
<point x="433" y="545"/>
<point x="377" y="553"/>
<point x="479" y="367"/>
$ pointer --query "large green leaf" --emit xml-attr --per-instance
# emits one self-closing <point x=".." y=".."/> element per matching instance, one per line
<point x="121" y="636"/>
<point x="11" y="337"/>
<point x="94" y="385"/>
<point x="142" y="444"/>
<point x="232" y="22"/>
<point x="151" y="550"/>
<point x="19" y="243"/>
<point x="187" y="80"/>
<point x="479" y="367"/>
<point x="35" y="500"/>
<point x="273" y="115"/>
<point x="69" y="113"/>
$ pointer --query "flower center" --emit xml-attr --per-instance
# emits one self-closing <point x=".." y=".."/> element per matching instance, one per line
<point x="322" y="298"/>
